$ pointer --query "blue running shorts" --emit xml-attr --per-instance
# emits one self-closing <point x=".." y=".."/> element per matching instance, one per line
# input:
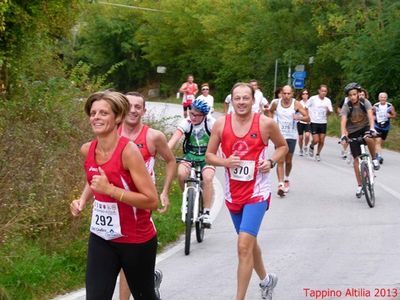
<point x="250" y="218"/>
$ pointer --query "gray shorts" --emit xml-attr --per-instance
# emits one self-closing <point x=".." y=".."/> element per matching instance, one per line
<point x="291" y="144"/>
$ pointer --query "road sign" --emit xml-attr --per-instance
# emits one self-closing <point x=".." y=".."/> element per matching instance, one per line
<point x="299" y="75"/>
<point x="161" y="69"/>
<point x="298" y="83"/>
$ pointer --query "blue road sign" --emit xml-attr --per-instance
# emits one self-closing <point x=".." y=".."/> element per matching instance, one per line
<point x="298" y="83"/>
<point x="299" y="75"/>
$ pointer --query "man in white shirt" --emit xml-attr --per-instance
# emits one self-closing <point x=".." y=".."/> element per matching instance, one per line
<point x="319" y="106"/>
<point x="259" y="101"/>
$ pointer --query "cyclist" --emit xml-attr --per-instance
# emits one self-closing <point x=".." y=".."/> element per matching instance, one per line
<point x="243" y="137"/>
<point x="319" y="106"/>
<point x="150" y="143"/>
<point x="383" y="112"/>
<point x="303" y="128"/>
<point x="196" y="129"/>
<point x="357" y="120"/>
<point x="122" y="233"/>
<point x="284" y="111"/>
<point x="189" y="90"/>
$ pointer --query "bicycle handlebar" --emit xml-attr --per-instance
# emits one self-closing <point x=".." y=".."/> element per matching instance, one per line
<point x="194" y="163"/>
<point x="359" y="139"/>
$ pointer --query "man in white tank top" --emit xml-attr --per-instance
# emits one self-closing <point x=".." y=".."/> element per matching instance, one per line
<point x="284" y="112"/>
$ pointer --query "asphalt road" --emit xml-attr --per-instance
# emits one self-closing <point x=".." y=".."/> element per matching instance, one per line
<point x="320" y="239"/>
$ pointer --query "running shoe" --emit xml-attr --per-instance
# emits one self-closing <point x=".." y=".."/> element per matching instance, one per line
<point x="317" y="157"/>
<point x="379" y="158"/>
<point x="343" y="154"/>
<point x="267" y="290"/>
<point x="281" y="190"/>
<point x="206" y="220"/>
<point x="301" y="152"/>
<point x="359" y="191"/>
<point x="311" y="151"/>
<point x="158" y="275"/>
<point x="376" y="165"/>
<point x="286" y="186"/>
<point x="305" y="150"/>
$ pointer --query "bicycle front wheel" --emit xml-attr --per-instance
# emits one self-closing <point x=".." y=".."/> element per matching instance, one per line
<point x="199" y="223"/>
<point x="367" y="186"/>
<point x="189" y="219"/>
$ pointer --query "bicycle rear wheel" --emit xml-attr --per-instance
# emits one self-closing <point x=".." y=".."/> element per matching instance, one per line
<point x="189" y="219"/>
<point x="199" y="224"/>
<point x="367" y="187"/>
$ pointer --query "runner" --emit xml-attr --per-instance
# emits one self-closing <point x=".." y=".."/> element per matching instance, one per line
<point x="150" y="143"/>
<point x="356" y="120"/>
<point x="228" y="108"/>
<point x="259" y="101"/>
<point x="303" y="128"/>
<point x="319" y="106"/>
<point x="243" y="137"/>
<point x="286" y="112"/>
<point x="383" y="112"/>
<point x="205" y="96"/>
<point x="122" y="232"/>
<point x="196" y="129"/>
<point x="189" y="90"/>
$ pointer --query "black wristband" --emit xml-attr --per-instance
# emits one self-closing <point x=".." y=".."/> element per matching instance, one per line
<point x="273" y="163"/>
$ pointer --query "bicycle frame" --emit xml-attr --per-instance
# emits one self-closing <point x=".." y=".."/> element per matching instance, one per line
<point x="364" y="156"/>
<point x="192" y="182"/>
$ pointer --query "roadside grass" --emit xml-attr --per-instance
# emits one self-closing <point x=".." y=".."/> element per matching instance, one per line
<point x="42" y="247"/>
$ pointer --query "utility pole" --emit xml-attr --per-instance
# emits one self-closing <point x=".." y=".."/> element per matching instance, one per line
<point x="275" y="77"/>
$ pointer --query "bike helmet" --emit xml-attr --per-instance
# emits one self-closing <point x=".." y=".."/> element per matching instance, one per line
<point x="352" y="86"/>
<point x="201" y="106"/>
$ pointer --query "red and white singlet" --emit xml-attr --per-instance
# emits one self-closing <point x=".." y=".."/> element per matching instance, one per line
<point x="141" y="143"/>
<point x="112" y="219"/>
<point x="188" y="96"/>
<point x="245" y="184"/>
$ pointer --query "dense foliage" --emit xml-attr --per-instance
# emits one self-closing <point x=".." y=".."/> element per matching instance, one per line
<point x="54" y="52"/>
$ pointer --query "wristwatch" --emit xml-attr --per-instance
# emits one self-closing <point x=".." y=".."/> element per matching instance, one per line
<point x="273" y="163"/>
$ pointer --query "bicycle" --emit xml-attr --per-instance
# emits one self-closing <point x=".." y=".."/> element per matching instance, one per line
<point x="192" y="203"/>
<point x="366" y="170"/>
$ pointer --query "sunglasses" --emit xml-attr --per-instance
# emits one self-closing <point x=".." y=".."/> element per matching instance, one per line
<point x="304" y="93"/>
<point x="205" y="89"/>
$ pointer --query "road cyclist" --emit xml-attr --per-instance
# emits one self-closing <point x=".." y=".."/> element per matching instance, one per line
<point x="196" y="130"/>
<point x="357" y="120"/>
<point x="243" y="137"/>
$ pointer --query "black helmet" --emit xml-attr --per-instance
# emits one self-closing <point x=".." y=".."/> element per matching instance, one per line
<point x="352" y="86"/>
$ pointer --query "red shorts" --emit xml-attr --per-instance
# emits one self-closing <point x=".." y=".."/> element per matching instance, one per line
<point x="237" y="207"/>
<point x="187" y="103"/>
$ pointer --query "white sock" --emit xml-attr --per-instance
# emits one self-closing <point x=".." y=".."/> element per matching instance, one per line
<point x="286" y="178"/>
<point x="265" y="281"/>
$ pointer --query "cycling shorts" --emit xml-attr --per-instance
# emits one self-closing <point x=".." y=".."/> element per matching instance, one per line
<point x="301" y="128"/>
<point x="250" y="217"/>
<point x="317" y="128"/>
<point x="355" y="148"/>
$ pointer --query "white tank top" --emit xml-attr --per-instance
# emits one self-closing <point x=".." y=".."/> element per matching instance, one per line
<point x="284" y="118"/>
